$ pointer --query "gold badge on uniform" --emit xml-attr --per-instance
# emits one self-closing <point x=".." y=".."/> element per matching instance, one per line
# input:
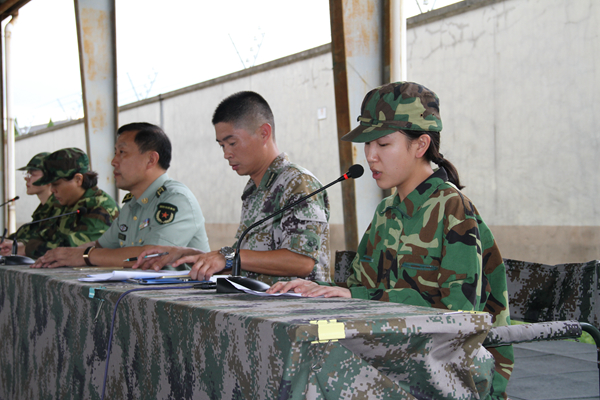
<point x="145" y="200"/>
<point x="165" y="213"/>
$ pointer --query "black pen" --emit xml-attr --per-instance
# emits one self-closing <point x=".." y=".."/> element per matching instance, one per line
<point x="148" y="256"/>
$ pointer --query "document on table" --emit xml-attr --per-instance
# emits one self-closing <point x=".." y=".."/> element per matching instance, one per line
<point x="124" y="275"/>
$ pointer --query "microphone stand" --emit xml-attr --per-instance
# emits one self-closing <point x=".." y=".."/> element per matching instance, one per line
<point x="223" y="286"/>
<point x="16" y="259"/>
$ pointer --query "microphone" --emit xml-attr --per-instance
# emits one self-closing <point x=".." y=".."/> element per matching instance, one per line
<point x="223" y="286"/>
<point x="6" y="202"/>
<point x="16" y="259"/>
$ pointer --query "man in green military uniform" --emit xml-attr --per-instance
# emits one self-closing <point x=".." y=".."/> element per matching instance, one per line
<point x="74" y="188"/>
<point x="157" y="210"/>
<point x="294" y="244"/>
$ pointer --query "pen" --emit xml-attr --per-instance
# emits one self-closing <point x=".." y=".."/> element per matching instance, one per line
<point x="148" y="256"/>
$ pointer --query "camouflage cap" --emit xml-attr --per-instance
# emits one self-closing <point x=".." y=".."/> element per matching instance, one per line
<point x="63" y="163"/>
<point x="35" y="163"/>
<point x="396" y="106"/>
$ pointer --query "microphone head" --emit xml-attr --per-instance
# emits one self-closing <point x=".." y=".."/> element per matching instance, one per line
<point x="82" y="210"/>
<point x="16" y="198"/>
<point x="355" y="171"/>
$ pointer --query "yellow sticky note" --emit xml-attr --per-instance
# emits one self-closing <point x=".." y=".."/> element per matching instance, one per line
<point x="329" y="330"/>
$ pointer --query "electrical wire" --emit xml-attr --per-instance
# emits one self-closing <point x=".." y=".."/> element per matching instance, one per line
<point x="112" y="325"/>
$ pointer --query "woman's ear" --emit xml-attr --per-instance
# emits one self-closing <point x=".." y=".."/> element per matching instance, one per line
<point x="78" y="179"/>
<point x="423" y="143"/>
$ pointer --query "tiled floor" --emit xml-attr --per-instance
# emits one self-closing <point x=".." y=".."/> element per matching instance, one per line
<point x="554" y="370"/>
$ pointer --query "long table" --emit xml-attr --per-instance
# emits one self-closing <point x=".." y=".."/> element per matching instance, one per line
<point x="188" y="343"/>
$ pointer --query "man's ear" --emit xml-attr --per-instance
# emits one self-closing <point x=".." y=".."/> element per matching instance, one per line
<point x="423" y="143"/>
<point x="265" y="131"/>
<point x="153" y="158"/>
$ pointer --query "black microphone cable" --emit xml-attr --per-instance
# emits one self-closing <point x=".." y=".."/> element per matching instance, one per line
<point x="112" y="325"/>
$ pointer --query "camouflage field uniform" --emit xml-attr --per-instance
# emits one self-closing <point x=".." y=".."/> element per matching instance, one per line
<point x="431" y="249"/>
<point x="167" y="213"/>
<point x="75" y="229"/>
<point x="42" y="211"/>
<point x="427" y="251"/>
<point x="304" y="229"/>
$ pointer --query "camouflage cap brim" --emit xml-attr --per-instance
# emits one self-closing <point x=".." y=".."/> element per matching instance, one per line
<point x="394" y="107"/>
<point x="36" y="162"/>
<point x="63" y="163"/>
<point x="366" y="133"/>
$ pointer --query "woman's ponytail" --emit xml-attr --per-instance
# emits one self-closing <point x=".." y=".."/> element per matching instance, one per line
<point x="433" y="154"/>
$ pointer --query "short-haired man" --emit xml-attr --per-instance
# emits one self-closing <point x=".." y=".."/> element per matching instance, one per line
<point x="157" y="210"/>
<point x="294" y="244"/>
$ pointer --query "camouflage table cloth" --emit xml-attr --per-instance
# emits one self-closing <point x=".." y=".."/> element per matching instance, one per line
<point x="186" y="343"/>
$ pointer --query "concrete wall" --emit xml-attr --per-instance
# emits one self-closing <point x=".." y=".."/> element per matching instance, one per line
<point x="518" y="83"/>
<point x="296" y="88"/>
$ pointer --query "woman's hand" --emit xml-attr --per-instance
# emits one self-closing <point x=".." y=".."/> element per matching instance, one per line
<point x="309" y="289"/>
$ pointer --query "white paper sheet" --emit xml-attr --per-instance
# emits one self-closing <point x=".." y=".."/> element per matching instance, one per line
<point x="123" y="275"/>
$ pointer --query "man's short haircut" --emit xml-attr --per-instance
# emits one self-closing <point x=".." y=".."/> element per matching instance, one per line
<point x="150" y="137"/>
<point x="245" y="110"/>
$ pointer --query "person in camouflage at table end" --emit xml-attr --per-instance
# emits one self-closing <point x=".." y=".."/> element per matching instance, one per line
<point x="33" y="172"/>
<point x="427" y="245"/>
<point x="74" y="187"/>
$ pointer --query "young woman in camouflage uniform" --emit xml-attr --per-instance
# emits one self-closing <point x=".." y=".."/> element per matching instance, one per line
<point x="74" y="187"/>
<point x="427" y="245"/>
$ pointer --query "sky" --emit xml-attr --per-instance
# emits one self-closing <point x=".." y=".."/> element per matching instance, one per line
<point x="159" y="49"/>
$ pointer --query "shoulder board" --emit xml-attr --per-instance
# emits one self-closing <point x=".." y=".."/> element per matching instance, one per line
<point x="161" y="190"/>
<point x="127" y="197"/>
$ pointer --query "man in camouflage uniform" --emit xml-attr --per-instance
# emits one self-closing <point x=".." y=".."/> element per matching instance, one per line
<point x="294" y="244"/>
<point x="157" y="210"/>
<point x="33" y="171"/>
<point x="431" y="248"/>
<point x="74" y="229"/>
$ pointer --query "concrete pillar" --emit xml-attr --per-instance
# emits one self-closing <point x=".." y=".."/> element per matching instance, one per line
<point x="96" y="35"/>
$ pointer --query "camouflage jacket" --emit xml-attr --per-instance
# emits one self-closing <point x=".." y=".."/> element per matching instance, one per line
<point x="434" y="249"/>
<point x="74" y="230"/>
<point x="41" y="212"/>
<point x="303" y="229"/>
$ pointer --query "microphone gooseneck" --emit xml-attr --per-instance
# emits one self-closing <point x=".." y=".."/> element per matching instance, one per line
<point x="81" y="210"/>
<point x="354" y="172"/>
<point x="8" y="201"/>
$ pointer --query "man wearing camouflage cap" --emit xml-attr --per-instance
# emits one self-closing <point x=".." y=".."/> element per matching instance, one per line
<point x="156" y="211"/>
<point x="295" y="244"/>
<point x="427" y="245"/>
<point x="74" y="187"/>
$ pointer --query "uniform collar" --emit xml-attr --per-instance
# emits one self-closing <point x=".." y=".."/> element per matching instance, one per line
<point x="415" y="199"/>
<point x="151" y="191"/>
<point x="277" y="166"/>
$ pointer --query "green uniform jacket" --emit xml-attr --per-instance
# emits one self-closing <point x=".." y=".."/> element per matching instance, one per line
<point x="167" y="213"/>
<point x="41" y="212"/>
<point x="74" y="230"/>
<point x="433" y="249"/>
<point x="303" y="229"/>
